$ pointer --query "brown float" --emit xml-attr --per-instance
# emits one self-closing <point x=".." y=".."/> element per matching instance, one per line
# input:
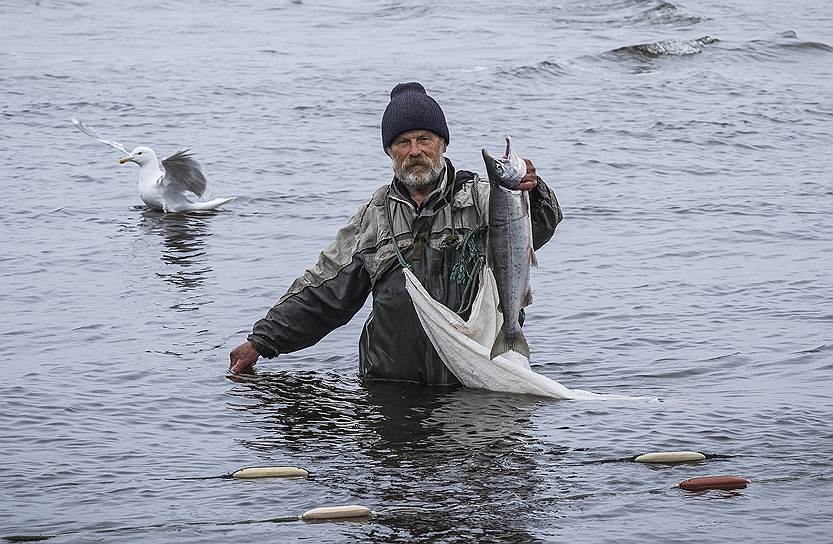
<point x="713" y="482"/>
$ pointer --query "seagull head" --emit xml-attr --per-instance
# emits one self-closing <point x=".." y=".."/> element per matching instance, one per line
<point x="142" y="155"/>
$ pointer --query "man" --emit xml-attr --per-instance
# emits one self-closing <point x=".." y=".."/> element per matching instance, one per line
<point x="430" y="218"/>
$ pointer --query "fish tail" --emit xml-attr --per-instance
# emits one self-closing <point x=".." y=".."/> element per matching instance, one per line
<point x="503" y="344"/>
<point x="521" y="346"/>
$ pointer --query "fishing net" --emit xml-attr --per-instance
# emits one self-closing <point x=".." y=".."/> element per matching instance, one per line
<point x="464" y="346"/>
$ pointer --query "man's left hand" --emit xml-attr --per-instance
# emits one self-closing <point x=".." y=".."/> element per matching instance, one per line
<point x="530" y="180"/>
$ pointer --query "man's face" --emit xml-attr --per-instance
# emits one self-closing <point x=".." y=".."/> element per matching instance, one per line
<point x="417" y="157"/>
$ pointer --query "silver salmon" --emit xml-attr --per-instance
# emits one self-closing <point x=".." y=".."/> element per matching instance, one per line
<point x="510" y="244"/>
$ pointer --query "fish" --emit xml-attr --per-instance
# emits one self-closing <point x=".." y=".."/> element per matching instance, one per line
<point x="510" y="245"/>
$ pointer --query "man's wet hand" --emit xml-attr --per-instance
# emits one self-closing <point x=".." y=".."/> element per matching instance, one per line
<point x="243" y="357"/>
<point x="530" y="180"/>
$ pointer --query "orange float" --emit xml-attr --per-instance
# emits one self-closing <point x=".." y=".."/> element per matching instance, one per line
<point x="713" y="482"/>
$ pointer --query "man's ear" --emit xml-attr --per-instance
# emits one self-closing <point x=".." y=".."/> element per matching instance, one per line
<point x="387" y="151"/>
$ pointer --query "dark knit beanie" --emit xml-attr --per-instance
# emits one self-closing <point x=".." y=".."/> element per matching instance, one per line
<point x="411" y="109"/>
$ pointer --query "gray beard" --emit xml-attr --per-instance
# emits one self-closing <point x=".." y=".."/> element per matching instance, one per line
<point x="420" y="178"/>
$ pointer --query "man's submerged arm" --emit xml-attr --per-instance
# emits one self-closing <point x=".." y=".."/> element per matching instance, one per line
<point x="546" y="213"/>
<point x="321" y="300"/>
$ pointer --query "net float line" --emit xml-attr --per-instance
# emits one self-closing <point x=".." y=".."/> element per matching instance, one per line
<point x="319" y="515"/>
<point x="670" y="457"/>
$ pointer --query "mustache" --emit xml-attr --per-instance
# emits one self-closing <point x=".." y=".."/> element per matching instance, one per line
<point x="410" y="162"/>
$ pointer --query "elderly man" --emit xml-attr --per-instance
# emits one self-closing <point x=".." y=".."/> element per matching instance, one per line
<point x="431" y="218"/>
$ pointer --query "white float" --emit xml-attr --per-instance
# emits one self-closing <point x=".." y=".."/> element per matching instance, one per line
<point x="670" y="457"/>
<point x="336" y="512"/>
<point x="270" y="472"/>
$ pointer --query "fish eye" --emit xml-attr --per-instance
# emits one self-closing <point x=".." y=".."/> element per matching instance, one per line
<point x="139" y="153"/>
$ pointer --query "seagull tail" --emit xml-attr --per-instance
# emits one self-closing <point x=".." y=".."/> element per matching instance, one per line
<point x="209" y="204"/>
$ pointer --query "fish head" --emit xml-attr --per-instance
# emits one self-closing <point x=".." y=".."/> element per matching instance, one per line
<point x="507" y="171"/>
<point x="142" y="155"/>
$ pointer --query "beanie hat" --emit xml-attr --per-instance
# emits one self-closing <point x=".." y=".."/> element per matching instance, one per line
<point x="410" y="108"/>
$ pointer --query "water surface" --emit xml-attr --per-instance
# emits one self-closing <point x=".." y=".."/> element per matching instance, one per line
<point x="693" y="265"/>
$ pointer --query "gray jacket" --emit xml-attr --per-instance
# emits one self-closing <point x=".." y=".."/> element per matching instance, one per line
<point x="362" y="260"/>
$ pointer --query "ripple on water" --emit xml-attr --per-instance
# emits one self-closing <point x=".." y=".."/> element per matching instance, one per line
<point x="692" y="265"/>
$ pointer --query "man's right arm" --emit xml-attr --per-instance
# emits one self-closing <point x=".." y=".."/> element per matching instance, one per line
<point x="321" y="300"/>
<point x="301" y="319"/>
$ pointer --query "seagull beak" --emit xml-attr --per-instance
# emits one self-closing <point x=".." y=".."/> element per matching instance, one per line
<point x="125" y="159"/>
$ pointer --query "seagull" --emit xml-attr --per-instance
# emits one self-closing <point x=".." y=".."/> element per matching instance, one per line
<point x="175" y="184"/>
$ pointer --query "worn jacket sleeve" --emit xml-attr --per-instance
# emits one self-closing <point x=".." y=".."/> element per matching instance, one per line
<point x="324" y="298"/>
<point x="546" y="214"/>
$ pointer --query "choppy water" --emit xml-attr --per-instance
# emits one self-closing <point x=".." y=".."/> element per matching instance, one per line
<point x="689" y="144"/>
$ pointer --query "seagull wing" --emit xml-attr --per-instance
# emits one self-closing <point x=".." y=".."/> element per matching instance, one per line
<point x="94" y="135"/>
<point x="182" y="173"/>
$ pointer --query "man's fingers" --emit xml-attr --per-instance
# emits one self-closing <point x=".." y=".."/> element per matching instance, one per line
<point x="530" y="180"/>
<point x="237" y="366"/>
<point x="528" y="183"/>
<point x="242" y="366"/>
<point x="242" y="357"/>
<point x="233" y="358"/>
<point x="530" y="168"/>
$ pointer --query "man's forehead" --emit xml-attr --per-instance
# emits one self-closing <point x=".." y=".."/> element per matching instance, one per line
<point x="416" y="134"/>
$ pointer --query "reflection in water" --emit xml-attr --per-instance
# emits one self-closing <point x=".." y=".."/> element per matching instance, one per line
<point x="428" y="460"/>
<point x="183" y="236"/>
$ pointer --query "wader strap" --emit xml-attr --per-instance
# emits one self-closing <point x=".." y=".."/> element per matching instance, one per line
<point x="470" y="259"/>
<point x="389" y="217"/>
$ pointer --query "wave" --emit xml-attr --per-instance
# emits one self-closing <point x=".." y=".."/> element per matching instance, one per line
<point x="545" y="68"/>
<point x="666" y="48"/>
<point x="786" y="43"/>
<point x="404" y="12"/>
<point x="783" y="48"/>
<point x="626" y="13"/>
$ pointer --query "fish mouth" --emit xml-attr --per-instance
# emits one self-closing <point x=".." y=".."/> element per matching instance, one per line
<point x="125" y="159"/>
<point x="488" y="159"/>
<point x="508" y="171"/>
<point x="491" y="166"/>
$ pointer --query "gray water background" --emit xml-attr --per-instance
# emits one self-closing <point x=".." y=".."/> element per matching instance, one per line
<point x="693" y="265"/>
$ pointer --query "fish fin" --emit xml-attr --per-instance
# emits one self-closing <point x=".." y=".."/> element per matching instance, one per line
<point x="500" y="346"/>
<point x="527" y="300"/>
<point x="521" y="345"/>
<point x="503" y="345"/>
<point x="525" y="205"/>
<point x="533" y="260"/>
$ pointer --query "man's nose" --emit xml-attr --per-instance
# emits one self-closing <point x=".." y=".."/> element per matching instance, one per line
<point x="415" y="149"/>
